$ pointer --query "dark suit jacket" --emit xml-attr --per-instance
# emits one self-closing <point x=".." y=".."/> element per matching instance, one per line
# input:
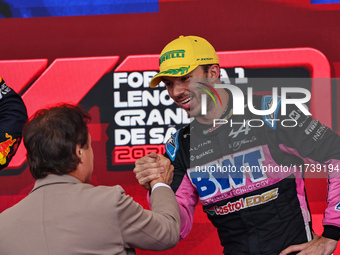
<point x="63" y="216"/>
<point x="13" y="116"/>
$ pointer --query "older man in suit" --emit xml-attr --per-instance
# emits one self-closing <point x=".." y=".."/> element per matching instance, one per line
<point x="64" y="215"/>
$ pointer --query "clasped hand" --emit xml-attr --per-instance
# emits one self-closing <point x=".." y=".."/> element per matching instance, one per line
<point x="153" y="168"/>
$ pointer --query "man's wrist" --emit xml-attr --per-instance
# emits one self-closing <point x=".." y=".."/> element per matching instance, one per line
<point x="331" y="232"/>
<point x="159" y="184"/>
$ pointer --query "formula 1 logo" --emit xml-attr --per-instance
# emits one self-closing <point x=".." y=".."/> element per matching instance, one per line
<point x="63" y="81"/>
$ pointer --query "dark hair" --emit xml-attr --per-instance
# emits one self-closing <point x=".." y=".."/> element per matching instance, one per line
<point x="51" y="137"/>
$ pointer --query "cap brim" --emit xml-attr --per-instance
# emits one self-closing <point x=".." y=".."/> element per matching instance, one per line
<point x="171" y="73"/>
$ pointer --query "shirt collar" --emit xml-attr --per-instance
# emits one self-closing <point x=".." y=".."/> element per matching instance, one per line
<point x="54" y="179"/>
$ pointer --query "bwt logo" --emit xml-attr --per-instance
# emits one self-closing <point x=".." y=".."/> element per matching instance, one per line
<point x="239" y="101"/>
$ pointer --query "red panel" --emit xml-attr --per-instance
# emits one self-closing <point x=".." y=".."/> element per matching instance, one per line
<point x="67" y="80"/>
<point x="307" y="4"/>
<point x="139" y="63"/>
<point x="177" y="0"/>
<point x="19" y="73"/>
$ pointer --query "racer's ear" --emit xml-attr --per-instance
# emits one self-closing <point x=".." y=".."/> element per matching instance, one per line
<point x="214" y="71"/>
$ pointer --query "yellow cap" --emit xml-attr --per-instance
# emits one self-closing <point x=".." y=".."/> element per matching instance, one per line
<point x="183" y="55"/>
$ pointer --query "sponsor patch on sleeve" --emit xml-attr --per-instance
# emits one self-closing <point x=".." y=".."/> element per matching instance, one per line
<point x="171" y="146"/>
<point x="267" y="102"/>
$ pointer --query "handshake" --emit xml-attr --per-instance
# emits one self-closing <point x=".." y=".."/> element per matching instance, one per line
<point x="152" y="169"/>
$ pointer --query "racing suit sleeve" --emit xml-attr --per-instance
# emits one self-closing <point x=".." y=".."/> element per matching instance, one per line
<point x="315" y="143"/>
<point x="187" y="199"/>
<point x="177" y="150"/>
<point x="13" y="116"/>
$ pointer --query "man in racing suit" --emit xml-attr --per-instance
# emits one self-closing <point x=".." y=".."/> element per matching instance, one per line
<point x="247" y="176"/>
<point x="13" y="116"/>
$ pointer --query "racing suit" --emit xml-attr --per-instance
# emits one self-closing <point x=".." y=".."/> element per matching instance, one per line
<point x="248" y="174"/>
<point x="13" y="116"/>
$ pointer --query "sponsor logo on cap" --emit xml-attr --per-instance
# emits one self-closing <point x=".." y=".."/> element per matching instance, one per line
<point x="204" y="59"/>
<point x="181" y="70"/>
<point x="171" y="54"/>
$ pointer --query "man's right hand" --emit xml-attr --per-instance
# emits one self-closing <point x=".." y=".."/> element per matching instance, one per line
<point x="153" y="167"/>
<point x="168" y="174"/>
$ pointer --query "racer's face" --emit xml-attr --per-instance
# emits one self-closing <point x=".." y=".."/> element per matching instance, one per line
<point x="183" y="93"/>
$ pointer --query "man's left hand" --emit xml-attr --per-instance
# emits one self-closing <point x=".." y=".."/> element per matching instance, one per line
<point x="318" y="246"/>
